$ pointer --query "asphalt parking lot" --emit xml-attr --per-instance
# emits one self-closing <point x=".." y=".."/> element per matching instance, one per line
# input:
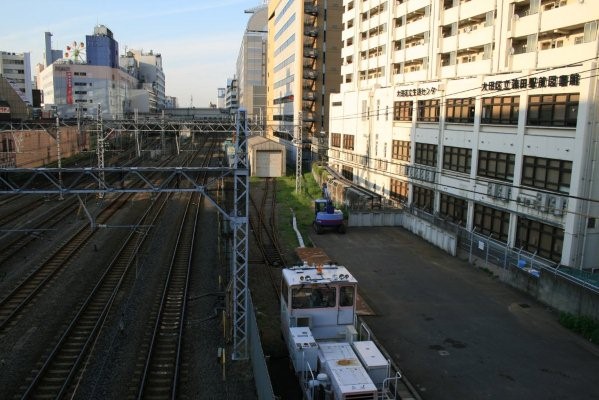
<point x="455" y="330"/>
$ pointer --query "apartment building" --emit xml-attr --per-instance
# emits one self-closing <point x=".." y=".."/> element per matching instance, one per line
<point x="16" y="69"/>
<point x="480" y="112"/>
<point x="304" y="58"/>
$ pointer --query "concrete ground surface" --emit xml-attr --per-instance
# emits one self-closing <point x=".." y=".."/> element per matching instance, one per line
<point x="456" y="331"/>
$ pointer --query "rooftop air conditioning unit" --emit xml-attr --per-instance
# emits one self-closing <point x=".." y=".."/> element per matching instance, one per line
<point x="559" y="204"/>
<point x="543" y="201"/>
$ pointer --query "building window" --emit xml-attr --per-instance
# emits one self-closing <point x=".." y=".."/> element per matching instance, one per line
<point x="426" y="154"/>
<point x="454" y="209"/>
<point x="335" y="140"/>
<point x="402" y="110"/>
<point x="460" y="110"/>
<point x="381" y="165"/>
<point x="491" y="222"/>
<point x="457" y="158"/>
<point x="347" y="172"/>
<point x="547" y="173"/>
<point x="348" y="142"/>
<point x="399" y="190"/>
<point x="553" y="110"/>
<point x="423" y="198"/>
<point x="543" y="240"/>
<point x="400" y="150"/>
<point x="428" y="111"/>
<point x="492" y="164"/>
<point x="501" y="110"/>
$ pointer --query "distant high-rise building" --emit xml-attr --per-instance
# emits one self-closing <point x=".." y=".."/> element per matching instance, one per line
<point x="50" y="55"/>
<point x="101" y="48"/>
<point x="304" y="60"/>
<point x="147" y="68"/>
<point x="171" y="102"/>
<point x="220" y="97"/>
<point x="251" y="65"/>
<point x="16" y="68"/>
<point x="232" y="94"/>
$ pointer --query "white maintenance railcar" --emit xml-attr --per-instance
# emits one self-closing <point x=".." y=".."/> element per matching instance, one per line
<point x="318" y="317"/>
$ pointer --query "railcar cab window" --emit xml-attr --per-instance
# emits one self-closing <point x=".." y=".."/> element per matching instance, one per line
<point x="308" y="297"/>
<point x="346" y="296"/>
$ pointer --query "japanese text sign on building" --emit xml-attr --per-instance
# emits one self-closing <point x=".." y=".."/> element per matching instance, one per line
<point x="416" y="92"/>
<point x="534" y="82"/>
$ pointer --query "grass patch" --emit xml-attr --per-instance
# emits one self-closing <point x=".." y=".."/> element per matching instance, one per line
<point x="585" y="326"/>
<point x="301" y="204"/>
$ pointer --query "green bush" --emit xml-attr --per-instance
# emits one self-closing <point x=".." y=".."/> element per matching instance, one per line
<point x="585" y="326"/>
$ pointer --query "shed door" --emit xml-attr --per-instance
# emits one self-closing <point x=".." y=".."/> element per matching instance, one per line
<point x="268" y="163"/>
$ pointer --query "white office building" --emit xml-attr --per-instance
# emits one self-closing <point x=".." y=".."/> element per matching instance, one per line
<point x="480" y="112"/>
<point x="70" y="88"/>
<point x="16" y="68"/>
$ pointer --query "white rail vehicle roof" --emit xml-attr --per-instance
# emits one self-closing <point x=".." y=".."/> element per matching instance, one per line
<point x="317" y="275"/>
<point x="348" y="375"/>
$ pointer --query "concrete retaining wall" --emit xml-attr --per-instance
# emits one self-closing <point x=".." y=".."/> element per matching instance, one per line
<point x="553" y="290"/>
<point x="431" y="233"/>
<point x="550" y="289"/>
<point x="567" y="296"/>
<point x="381" y="218"/>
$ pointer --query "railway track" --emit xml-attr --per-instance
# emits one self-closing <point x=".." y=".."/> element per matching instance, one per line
<point x="160" y="376"/>
<point x="59" y="374"/>
<point x="26" y="225"/>
<point x="263" y="223"/>
<point x="12" y="244"/>
<point x="25" y="205"/>
<point x="14" y="303"/>
<point x="61" y="368"/>
<point x="264" y="228"/>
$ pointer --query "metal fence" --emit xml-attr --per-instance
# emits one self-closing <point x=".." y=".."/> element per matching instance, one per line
<point x="492" y="251"/>
<point x="260" y="369"/>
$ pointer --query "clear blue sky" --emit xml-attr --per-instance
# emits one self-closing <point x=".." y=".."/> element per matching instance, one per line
<point x="199" y="40"/>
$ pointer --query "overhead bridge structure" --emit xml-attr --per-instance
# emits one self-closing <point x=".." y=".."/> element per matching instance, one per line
<point x="102" y="180"/>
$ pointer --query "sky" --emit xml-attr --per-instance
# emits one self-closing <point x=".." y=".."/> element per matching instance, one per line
<point x="199" y="40"/>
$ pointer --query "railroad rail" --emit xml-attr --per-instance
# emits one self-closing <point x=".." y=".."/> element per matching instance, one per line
<point x="12" y="304"/>
<point x="264" y="225"/>
<point x="265" y="231"/>
<point x="12" y="244"/>
<point x="160" y="375"/>
<point x="56" y="376"/>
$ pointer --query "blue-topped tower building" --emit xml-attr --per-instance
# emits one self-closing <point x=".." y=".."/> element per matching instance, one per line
<point x="102" y="49"/>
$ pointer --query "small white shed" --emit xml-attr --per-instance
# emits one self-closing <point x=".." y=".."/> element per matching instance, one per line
<point x="267" y="157"/>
